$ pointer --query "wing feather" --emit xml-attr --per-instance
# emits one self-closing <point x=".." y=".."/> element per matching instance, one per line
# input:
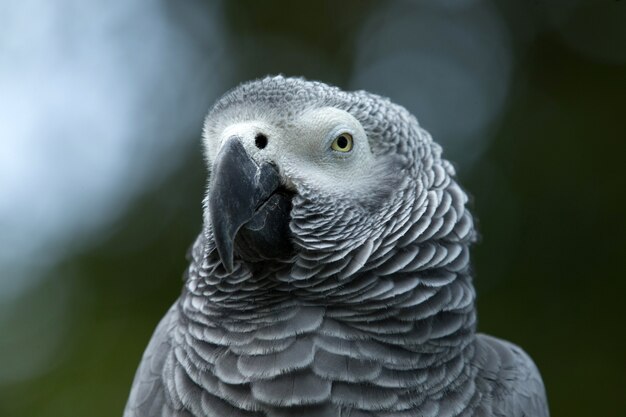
<point x="509" y="380"/>
<point x="147" y="397"/>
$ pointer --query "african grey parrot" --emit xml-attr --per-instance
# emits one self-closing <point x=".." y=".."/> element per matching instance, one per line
<point x="332" y="275"/>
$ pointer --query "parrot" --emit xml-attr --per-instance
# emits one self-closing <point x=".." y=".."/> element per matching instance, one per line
<point x="332" y="274"/>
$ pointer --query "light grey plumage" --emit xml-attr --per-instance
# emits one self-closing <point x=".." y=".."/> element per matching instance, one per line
<point x="370" y="313"/>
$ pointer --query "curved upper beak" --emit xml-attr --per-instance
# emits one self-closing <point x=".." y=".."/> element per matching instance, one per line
<point x="240" y="186"/>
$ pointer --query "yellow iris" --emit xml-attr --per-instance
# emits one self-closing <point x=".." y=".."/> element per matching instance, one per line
<point x="342" y="143"/>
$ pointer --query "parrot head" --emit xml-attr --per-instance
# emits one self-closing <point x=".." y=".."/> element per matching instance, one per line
<point x="307" y="173"/>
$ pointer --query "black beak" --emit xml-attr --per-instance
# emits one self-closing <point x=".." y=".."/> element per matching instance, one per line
<point x="243" y="194"/>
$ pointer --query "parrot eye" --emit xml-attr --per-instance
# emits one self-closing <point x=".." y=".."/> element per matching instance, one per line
<point x="342" y="143"/>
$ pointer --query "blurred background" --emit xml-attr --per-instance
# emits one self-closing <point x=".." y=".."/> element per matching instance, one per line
<point x="101" y="171"/>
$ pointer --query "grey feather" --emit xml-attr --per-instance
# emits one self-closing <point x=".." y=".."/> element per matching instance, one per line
<point x="338" y="367"/>
<point x="298" y="355"/>
<point x="227" y="371"/>
<point x="298" y="388"/>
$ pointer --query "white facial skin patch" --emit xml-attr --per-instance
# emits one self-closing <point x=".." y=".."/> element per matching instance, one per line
<point x="303" y="150"/>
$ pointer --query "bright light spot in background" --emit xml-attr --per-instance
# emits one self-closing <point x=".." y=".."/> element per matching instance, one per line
<point x="95" y="98"/>
<point x="449" y="63"/>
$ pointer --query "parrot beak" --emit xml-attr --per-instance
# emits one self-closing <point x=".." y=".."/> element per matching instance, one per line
<point x="246" y="198"/>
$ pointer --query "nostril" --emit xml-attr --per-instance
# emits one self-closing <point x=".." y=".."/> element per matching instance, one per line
<point x="260" y="140"/>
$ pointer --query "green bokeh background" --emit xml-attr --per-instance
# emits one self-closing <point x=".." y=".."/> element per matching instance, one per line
<point x="548" y="194"/>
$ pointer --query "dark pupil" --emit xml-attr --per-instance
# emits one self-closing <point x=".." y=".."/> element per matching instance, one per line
<point x="342" y="142"/>
<point x="260" y="140"/>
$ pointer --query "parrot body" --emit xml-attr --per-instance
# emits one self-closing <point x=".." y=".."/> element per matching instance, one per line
<point x="332" y="276"/>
